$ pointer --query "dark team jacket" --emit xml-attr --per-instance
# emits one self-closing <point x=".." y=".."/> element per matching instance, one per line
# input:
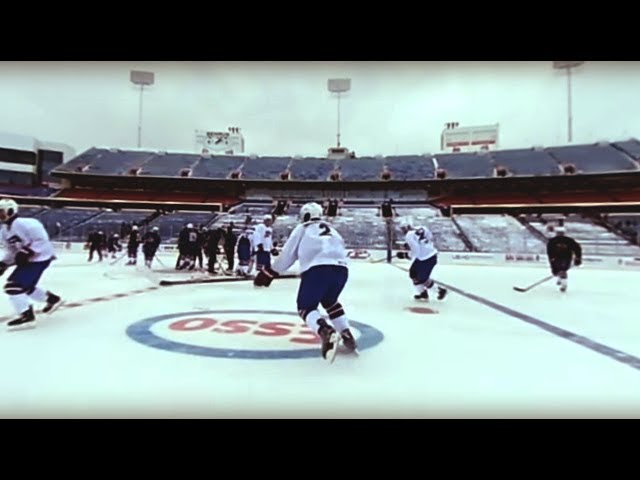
<point x="134" y="238"/>
<point x="563" y="247"/>
<point x="152" y="239"/>
<point x="96" y="239"/>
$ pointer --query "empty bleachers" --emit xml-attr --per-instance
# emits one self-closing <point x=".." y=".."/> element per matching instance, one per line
<point x="361" y="169"/>
<point x="527" y="162"/>
<point x="264" y="168"/>
<point x="465" y="165"/>
<point x="593" y="158"/>
<point x="410" y="167"/>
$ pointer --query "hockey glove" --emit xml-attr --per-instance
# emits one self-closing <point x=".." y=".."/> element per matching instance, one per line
<point x="22" y="257"/>
<point x="265" y="277"/>
<point x="578" y="261"/>
<point x="3" y="268"/>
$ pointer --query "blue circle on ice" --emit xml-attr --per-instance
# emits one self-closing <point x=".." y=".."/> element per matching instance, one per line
<point x="141" y="332"/>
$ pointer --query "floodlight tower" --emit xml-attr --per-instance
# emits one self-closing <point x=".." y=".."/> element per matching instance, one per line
<point x="339" y="86"/>
<point x="568" y="66"/>
<point x="142" y="79"/>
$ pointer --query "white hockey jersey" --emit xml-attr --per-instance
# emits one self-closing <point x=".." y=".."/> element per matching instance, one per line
<point x="312" y="244"/>
<point x="263" y="235"/>
<point x="25" y="234"/>
<point x="420" y="241"/>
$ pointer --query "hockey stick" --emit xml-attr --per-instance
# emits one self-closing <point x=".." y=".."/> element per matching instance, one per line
<point x="155" y="257"/>
<point x="539" y="282"/>
<point x="377" y="260"/>
<point x="118" y="259"/>
<point x="195" y="281"/>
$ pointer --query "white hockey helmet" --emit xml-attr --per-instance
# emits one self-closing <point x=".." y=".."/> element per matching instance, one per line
<point x="115" y="235"/>
<point x="9" y="206"/>
<point x="134" y="228"/>
<point x="155" y="229"/>
<point x="405" y="222"/>
<point x="267" y="217"/>
<point x="189" y="225"/>
<point x="310" y="211"/>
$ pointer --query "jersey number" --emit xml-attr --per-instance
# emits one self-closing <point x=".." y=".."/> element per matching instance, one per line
<point x="420" y="235"/>
<point x="326" y="228"/>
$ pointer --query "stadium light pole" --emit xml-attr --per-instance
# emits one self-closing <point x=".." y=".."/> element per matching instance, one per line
<point x="339" y="86"/>
<point x="141" y="79"/>
<point x="568" y="66"/>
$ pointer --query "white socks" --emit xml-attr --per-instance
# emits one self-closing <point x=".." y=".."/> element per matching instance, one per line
<point x="39" y="295"/>
<point x="20" y="302"/>
<point x="341" y="323"/>
<point x="312" y="320"/>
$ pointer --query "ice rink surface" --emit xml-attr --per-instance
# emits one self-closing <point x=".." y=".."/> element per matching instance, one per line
<point x="124" y="347"/>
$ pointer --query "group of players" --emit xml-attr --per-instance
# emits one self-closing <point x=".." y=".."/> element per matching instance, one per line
<point x="252" y="247"/>
<point x="315" y="244"/>
<point x="97" y="242"/>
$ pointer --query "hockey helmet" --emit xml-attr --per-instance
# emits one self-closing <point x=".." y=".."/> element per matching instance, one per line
<point x="9" y="206"/>
<point x="406" y="223"/>
<point x="310" y="211"/>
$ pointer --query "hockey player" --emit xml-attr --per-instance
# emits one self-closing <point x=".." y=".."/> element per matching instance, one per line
<point x="425" y="257"/>
<point x="189" y="246"/>
<point x="96" y="243"/>
<point x="132" y="247"/>
<point x="230" y="240"/>
<point x="262" y="240"/>
<point x="561" y="250"/>
<point x="113" y="245"/>
<point x="211" y="249"/>
<point x="27" y="246"/>
<point x="244" y="253"/>
<point x="323" y="265"/>
<point x="150" y="244"/>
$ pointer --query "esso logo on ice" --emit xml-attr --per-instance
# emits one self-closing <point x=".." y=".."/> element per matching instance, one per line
<point x="293" y="332"/>
<point x="242" y="334"/>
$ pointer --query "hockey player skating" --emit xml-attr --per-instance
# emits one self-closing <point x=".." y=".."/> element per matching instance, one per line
<point x="561" y="250"/>
<point x="132" y="247"/>
<point x="262" y="240"/>
<point x="187" y="246"/>
<point x="27" y="246"/>
<point x="113" y="245"/>
<point x="323" y="265"/>
<point x="425" y="257"/>
<point x="96" y="243"/>
<point x="150" y="244"/>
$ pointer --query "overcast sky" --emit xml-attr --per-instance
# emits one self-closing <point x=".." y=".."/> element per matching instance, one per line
<point x="284" y="107"/>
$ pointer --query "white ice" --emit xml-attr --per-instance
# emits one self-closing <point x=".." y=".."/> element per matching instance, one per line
<point x="466" y="361"/>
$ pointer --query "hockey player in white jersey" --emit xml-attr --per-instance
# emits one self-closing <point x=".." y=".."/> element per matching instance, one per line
<point x="425" y="257"/>
<point x="323" y="266"/>
<point x="27" y="246"/>
<point x="263" y="243"/>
